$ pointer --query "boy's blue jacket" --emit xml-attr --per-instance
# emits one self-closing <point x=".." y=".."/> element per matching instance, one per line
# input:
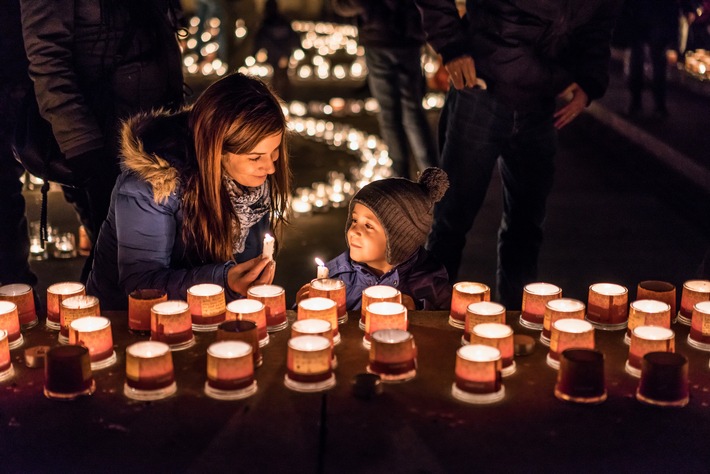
<point x="421" y="276"/>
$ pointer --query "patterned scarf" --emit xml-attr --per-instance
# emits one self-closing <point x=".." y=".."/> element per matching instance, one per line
<point x="250" y="205"/>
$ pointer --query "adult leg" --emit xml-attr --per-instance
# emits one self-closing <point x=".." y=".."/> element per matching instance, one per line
<point x="527" y="169"/>
<point x="657" y="51"/>
<point x="635" y="83"/>
<point x="476" y="125"/>
<point x="382" y="79"/>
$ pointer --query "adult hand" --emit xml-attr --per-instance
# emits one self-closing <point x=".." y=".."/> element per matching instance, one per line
<point x="577" y="101"/>
<point x="302" y="293"/>
<point x="257" y="271"/>
<point x="462" y="72"/>
<point x="408" y="302"/>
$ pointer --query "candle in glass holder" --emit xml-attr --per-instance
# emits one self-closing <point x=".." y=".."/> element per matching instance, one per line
<point x="535" y="297"/>
<point x="563" y="308"/>
<point x="245" y="331"/>
<point x="55" y="295"/>
<point x="149" y="371"/>
<point x="309" y="364"/>
<point x="664" y="380"/>
<point x="478" y="375"/>
<point x="647" y="313"/>
<point x="333" y="289"/>
<point x="699" y="336"/>
<point x="608" y="306"/>
<point x="139" y="304"/>
<point x="94" y="333"/>
<point x="274" y="298"/>
<point x="694" y="291"/>
<point x="67" y="373"/>
<point x="322" y="271"/>
<point x="581" y="377"/>
<point x="659" y="291"/>
<point x="464" y="293"/>
<point x="315" y="327"/>
<point x="10" y="323"/>
<point x="320" y="308"/>
<point x="268" y="247"/>
<point x="73" y="308"/>
<point x="480" y="313"/>
<point x="64" y="246"/>
<point x="501" y="337"/>
<point x="376" y="294"/>
<point x="645" y="339"/>
<point x="6" y="369"/>
<point x="230" y="371"/>
<point x="393" y="355"/>
<point x="207" y="306"/>
<point x="569" y="334"/>
<point x="384" y="315"/>
<point x="23" y="296"/>
<point x="171" y="323"/>
<point x="250" y="310"/>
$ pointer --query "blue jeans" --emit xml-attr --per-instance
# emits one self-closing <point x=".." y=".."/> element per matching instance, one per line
<point x="477" y="131"/>
<point x="396" y="81"/>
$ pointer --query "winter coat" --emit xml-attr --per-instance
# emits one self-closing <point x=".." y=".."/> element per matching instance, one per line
<point x="527" y="51"/>
<point x="92" y="66"/>
<point x="140" y="245"/>
<point x="384" y="23"/>
<point x="421" y="277"/>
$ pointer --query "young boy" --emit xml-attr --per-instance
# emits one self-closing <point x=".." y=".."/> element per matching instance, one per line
<point x="386" y="230"/>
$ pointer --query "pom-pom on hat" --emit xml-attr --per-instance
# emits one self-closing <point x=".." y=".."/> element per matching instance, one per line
<point x="404" y="208"/>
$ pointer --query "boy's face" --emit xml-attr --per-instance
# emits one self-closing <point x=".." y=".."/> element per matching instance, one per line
<point x="367" y="239"/>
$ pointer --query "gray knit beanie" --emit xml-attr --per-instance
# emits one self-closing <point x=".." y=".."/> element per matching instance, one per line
<point x="404" y="208"/>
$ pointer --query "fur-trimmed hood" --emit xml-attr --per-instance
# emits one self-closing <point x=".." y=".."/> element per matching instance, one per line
<point x="158" y="147"/>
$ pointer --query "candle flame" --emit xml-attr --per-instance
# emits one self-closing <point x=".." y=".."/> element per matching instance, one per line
<point x="320" y="262"/>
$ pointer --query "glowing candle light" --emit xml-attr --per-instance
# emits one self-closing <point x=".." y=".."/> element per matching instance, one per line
<point x="322" y="269"/>
<point x="268" y="247"/>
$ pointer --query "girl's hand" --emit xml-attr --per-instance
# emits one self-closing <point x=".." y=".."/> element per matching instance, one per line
<point x="577" y="99"/>
<point x="257" y="271"/>
<point x="302" y="293"/>
<point x="408" y="302"/>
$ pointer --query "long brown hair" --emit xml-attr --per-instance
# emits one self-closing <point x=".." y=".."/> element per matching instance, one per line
<point x="233" y="115"/>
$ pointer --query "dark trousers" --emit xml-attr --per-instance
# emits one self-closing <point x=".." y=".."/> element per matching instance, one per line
<point x="477" y="131"/>
<point x="396" y="81"/>
<point x="657" y="54"/>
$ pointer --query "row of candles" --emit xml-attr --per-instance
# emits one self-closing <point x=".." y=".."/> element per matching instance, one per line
<point x="200" y="47"/>
<point x="697" y="63"/>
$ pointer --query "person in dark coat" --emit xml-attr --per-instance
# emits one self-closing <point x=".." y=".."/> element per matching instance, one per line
<point x="392" y="35"/>
<point x="199" y="190"/>
<point x="95" y="63"/>
<point x="386" y="230"/>
<point x="508" y="62"/>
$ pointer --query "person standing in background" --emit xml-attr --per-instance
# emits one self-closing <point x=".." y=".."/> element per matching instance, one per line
<point x="94" y="63"/>
<point x="391" y="32"/>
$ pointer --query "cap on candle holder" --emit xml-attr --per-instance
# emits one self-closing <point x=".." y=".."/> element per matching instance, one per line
<point x="67" y="373"/>
<point x="664" y="380"/>
<point x="581" y="376"/>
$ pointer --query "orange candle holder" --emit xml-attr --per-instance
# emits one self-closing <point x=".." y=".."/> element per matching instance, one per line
<point x="171" y="323"/>
<point x="501" y="337"/>
<point x="94" y="333"/>
<point x="6" y="369"/>
<point x="645" y="339"/>
<point x="647" y="313"/>
<point x="73" y="308"/>
<point x="581" y="377"/>
<point x="569" y="334"/>
<point x="479" y="313"/>
<point x="139" y="304"/>
<point x="699" y="336"/>
<point x="563" y="308"/>
<point x="274" y="298"/>
<point x="207" y="306"/>
<point x="309" y="364"/>
<point x="377" y="294"/>
<point x="535" y="297"/>
<point x="230" y="371"/>
<point x="320" y="308"/>
<point x="463" y="294"/>
<point x="250" y="310"/>
<point x="245" y="331"/>
<point x="694" y="291"/>
<point x="23" y="296"/>
<point x="55" y="295"/>
<point x="384" y="315"/>
<point x="608" y="306"/>
<point x="393" y="355"/>
<point x="659" y="291"/>
<point x="10" y="322"/>
<point x="478" y="375"/>
<point x="333" y="289"/>
<point x="150" y="374"/>
<point x="315" y="327"/>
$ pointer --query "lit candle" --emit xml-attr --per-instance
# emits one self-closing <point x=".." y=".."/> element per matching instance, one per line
<point x="645" y="339"/>
<point x="699" y="336"/>
<point x="608" y="306"/>
<point x="322" y="269"/>
<point x="535" y="297"/>
<point x="207" y="306"/>
<point x="6" y="369"/>
<point x="139" y="304"/>
<point x="230" y="371"/>
<point x="315" y="327"/>
<point x="333" y="289"/>
<point x="569" y="334"/>
<point x="245" y="331"/>
<point x="10" y="323"/>
<point x="149" y="371"/>
<point x="393" y="355"/>
<point x="320" y="308"/>
<point x="274" y="298"/>
<point x="694" y="291"/>
<point x="250" y="310"/>
<point x="464" y="293"/>
<point x="94" y="333"/>
<point x="74" y="308"/>
<point x="56" y="293"/>
<point x="376" y="294"/>
<point x="309" y="364"/>
<point x="499" y="336"/>
<point x="268" y="247"/>
<point x="659" y="291"/>
<point x="647" y="313"/>
<point x="563" y="308"/>
<point x="23" y="296"/>
<point x="171" y="323"/>
<point x="478" y="375"/>
<point x="384" y="315"/>
<point x="479" y="313"/>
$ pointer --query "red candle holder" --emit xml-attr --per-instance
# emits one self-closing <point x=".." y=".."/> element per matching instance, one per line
<point x="664" y="380"/>
<point x="694" y="291"/>
<point x="250" y="310"/>
<point x="274" y="298"/>
<point x="171" y="323"/>
<point x="581" y="377"/>
<point x="55" y="295"/>
<point x="23" y="296"/>
<point x="393" y="355"/>
<point x="320" y="308"/>
<point x="6" y="369"/>
<point x="73" y="308"/>
<point x="535" y="297"/>
<point x="478" y="375"/>
<point x="647" y="313"/>
<point x="309" y="364"/>
<point x="699" y="336"/>
<point x="230" y="371"/>
<point x="94" y="333"/>
<point x="67" y="373"/>
<point x="207" y="306"/>
<point x="377" y="294"/>
<point x="480" y="313"/>
<point x="384" y="315"/>
<point x="150" y="374"/>
<point x="569" y="334"/>
<point x="659" y="291"/>
<point x="608" y="306"/>
<point x="139" y="304"/>
<point x="333" y="289"/>
<point x="645" y="339"/>
<point x="245" y="331"/>
<point x="10" y="322"/>
<point x="563" y="308"/>
<point x="464" y="293"/>
<point x="501" y="337"/>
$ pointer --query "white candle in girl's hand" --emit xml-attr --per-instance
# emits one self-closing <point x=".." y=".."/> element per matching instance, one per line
<point x="322" y="269"/>
<point x="268" y="246"/>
